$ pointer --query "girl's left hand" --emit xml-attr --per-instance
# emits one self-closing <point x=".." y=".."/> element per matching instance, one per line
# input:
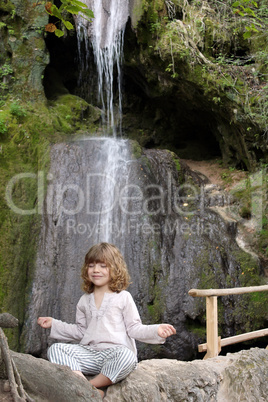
<point x="165" y="330"/>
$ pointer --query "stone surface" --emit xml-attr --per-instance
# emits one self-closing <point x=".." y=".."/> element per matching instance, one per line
<point x="27" y="46"/>
<point x="136" y="12"/>
<point x="45" y="381"/>
<point x="8" y="321"/>
<point x="236" y="377"/>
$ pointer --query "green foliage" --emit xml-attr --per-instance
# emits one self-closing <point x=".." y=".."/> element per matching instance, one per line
<point x="17" y="110"/>
<point x="250" y="309"/>
<point x="5" y="70"/>
<point x="3" y="127"/>
<point x="246" y="8"/>
<point x="136" y="149"/>
<point x="67" y="7"/>
<point x="263" y="241"/>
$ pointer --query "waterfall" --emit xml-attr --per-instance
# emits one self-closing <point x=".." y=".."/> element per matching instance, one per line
<point x="106" y="33"/>
<point x="108" y="179"/>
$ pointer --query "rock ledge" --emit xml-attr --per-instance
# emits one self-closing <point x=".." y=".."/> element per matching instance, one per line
<point x="240" y="377"/>
<point x="237" y="377"/>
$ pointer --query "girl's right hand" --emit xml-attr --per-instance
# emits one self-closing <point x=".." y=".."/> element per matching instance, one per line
<point x="45" y="322"/>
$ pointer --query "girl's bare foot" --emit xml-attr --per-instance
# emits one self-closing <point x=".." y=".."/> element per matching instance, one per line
<point x="80" y="374"/>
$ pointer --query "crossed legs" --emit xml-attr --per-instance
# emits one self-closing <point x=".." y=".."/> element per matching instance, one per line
<point x="109" y="365"/>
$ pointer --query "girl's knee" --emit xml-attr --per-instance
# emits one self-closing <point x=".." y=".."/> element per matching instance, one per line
<point x="127" y="356"/>
<point x="122" y="362"/>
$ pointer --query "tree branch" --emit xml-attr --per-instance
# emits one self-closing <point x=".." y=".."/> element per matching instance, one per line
<point x="9" y="367"/>
<point x="8" y="321"/>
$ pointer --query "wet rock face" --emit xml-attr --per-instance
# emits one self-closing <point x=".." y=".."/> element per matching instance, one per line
<point x="109" y="190"/>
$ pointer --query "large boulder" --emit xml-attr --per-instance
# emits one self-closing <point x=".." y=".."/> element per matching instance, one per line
<point x="48" y="382"/>
<point x="239" y="376"/>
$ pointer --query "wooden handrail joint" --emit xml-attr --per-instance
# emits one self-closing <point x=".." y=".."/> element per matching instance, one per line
<point x="214" y="342"/>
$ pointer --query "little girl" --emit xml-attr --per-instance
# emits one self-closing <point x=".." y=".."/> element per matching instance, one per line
<point x="107" y="322"/>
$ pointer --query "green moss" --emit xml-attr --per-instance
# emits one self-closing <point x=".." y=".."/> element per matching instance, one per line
<point x="249" y="308"/>
<point x="136" y="149"/>
<point x="73" y="113"/>
<point x="152" y="8"/>
<point x="262" y="241"/>
<point x="210" y="277"/>
<point x="249" y="269"/>
<point x="250" y="312"/>
<point x="18" y="233"/>
<point x="250" y="197"/>
<point x="176" y="160"/>
<point x="157" y="285"/>
<point x="196" y="328"/>
<point x="207" y="274"/>
<point x="172" y="43"/>
<point x="6" y="6"/>
<point x="178" y="165"/>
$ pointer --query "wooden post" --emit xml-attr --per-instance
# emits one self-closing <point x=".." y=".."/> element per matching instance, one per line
<point x="214" y="343"/>
<point x="212" y="327"/>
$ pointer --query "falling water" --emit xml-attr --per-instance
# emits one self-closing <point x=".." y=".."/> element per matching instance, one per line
<point x="111" y="167"/>
<point x="106" y="33"/>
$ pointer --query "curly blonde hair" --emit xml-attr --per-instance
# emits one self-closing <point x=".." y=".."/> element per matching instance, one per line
<point x="110" y="255"/>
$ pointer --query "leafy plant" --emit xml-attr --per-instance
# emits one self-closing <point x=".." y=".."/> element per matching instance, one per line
<point x="245" y="8"/>
<point x="73" y="7"/>
<point x="17" y="110"/>
<point x="5" y="70"/>
<point x="3" y="127"/>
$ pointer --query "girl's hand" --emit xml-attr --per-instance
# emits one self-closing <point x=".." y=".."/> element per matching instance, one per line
<point x="45" y="322"/>
<point x="165" y="330"/>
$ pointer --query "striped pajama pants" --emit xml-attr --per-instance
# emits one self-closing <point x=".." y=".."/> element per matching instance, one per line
<point x="115" y="363"/>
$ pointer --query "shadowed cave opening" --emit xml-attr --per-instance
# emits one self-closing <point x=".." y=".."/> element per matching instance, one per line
<point x="180" y="120"/>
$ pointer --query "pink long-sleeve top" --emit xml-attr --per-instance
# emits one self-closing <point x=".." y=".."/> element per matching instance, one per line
<point x="116" y="323"/>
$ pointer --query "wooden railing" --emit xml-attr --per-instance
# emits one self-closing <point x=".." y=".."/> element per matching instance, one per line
<point x="214" y="342"/>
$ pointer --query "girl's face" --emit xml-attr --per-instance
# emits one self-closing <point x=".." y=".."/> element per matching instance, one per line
<point x="99" y="275"/>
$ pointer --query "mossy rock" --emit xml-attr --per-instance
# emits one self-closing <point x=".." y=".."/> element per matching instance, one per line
<point x="74" y="108"/>
<point x="6" y="6"/>
<point x="136" y="149"/>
